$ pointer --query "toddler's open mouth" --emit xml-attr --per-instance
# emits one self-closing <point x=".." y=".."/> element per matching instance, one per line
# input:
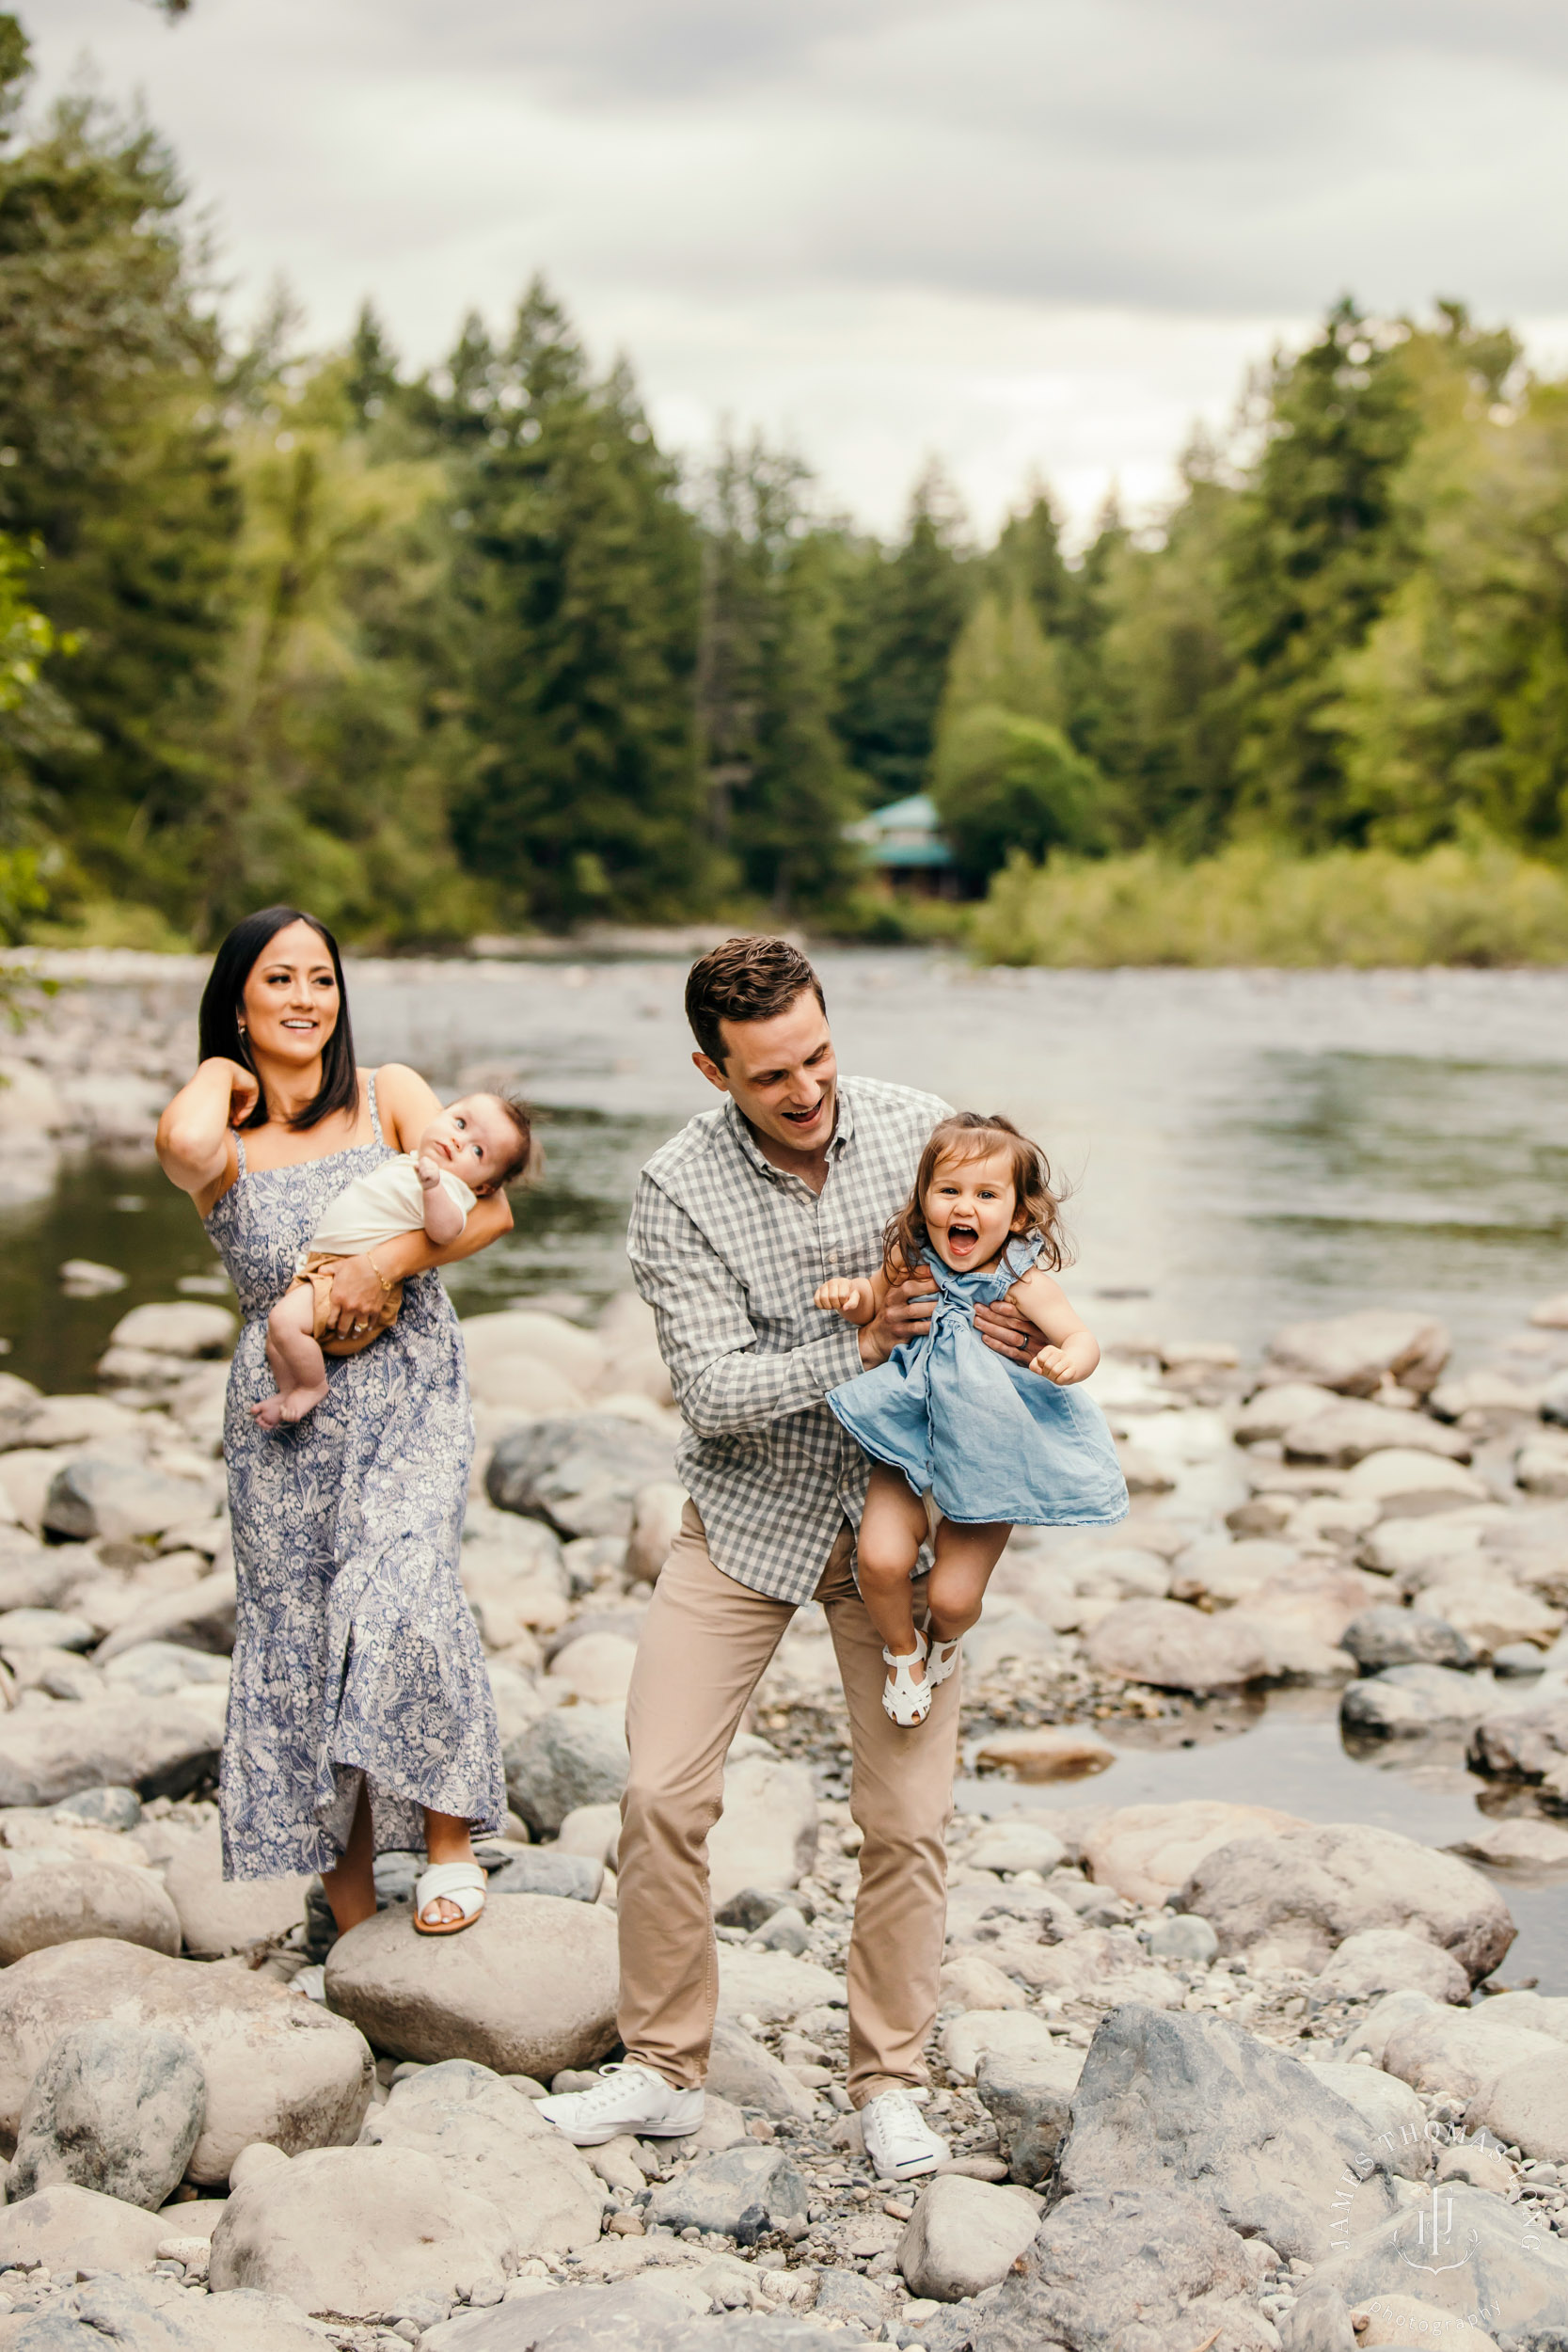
<point x="961" y="1238"/>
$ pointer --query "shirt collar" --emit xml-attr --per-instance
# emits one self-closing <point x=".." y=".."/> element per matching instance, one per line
<point x="843" y="1129"/>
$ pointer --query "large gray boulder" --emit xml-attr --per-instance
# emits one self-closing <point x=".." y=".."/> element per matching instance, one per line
<point x="1347" y="1434"/>
<point x="516" y="1579"/>
<point x="766" y="1834"/>
<point x="183" y="1326"/>
<point x="1309" y="1888"/>
<point x="491" y="2139"/>
<point x="67" y="1901"/>
<point x="742" y="2070"/>
<point x="1413" y="1703"/>
<point x="199" y="1616"/>
<point x="647" y="2314"/>
<point x="1385" y="1636"/>
<point x="744" y="2193"/>
<point x="580" y="1472"/>
<point x="158" y="2314"/>
<point x="1521" y="1743"/>
<point x="1029" y="2099"/>
<point x="115" y="2108"/>
<point x="1466" y="2251"/>
<point x="1155" y="2268"/>
<point x="159" y="1747"/>
<point x="218" y="1915"/>
<point x="1175" y="1648"/>
<point x="573" y="1756"/>
<point x="67" y="2228"/>
<point x="34" y="1575"/>
<point x="277" y="2067"/>
<point x="1195" y="2103"/>
<point x="1391" y="1959"/>
<point x="96" y="1495"/>
<point x="1392" y="2117"/>
<point x="963" y="2236"/>
<point x="1353" y="1353"/>
<point x="360" y="2233"/>
<point x="529" y="1989"/>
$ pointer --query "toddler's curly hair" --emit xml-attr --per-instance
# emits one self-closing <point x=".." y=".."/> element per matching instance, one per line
<point x="974" y="1135"/>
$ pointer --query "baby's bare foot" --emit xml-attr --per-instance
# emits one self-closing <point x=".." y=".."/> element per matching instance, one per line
<point x="268" y="1413"/>
<point x="299" y="1402"/>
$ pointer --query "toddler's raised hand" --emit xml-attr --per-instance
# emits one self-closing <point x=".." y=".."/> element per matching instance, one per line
<point x="1072" y="1361"/>
<point x="844" y="1296"/>
<point x="429" y="1170"/>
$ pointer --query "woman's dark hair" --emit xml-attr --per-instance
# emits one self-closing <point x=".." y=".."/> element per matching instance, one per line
<point x="219" y="1028"/>
<point x="974" y="1135"/>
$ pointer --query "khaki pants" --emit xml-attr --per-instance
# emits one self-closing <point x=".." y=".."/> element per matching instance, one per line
<point x="704" y="1650"/>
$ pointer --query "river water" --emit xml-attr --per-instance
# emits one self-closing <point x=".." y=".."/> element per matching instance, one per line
<point x="1243" y="1147"/>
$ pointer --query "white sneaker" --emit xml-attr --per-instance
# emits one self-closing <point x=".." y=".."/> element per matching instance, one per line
<point x="898" y="2140"/>
<point x="626" y="2098"/>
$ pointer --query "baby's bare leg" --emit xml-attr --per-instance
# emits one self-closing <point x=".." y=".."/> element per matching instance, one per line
<point x="965" y="1557"/>
<point x="892" y="1532"/>
<point x="297" y="1363"/>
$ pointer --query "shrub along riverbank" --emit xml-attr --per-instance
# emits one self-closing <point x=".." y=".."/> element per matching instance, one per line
<point x="1258" y="904"/>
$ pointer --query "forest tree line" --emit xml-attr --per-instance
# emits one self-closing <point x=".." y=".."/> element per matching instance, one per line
<point x="464" y="649"/>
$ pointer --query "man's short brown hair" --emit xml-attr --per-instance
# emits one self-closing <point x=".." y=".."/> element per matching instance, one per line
<point x="745" y="979"/>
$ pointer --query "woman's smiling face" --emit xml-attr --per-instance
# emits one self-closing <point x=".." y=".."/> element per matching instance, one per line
<point x="291" y="1003"/>
<point x="969" y="1208"/>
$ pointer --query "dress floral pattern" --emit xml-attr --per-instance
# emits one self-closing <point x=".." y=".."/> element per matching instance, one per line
<point x="354" y="1653"/>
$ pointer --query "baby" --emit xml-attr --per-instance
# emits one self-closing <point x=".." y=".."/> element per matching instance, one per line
<point x="486" y="1137"/>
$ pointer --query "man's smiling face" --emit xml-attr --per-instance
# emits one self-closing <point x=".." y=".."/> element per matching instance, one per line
<point x="781" y="1074"/>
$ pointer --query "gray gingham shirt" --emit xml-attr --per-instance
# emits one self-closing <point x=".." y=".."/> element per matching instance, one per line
<point x="727" y="1251"/>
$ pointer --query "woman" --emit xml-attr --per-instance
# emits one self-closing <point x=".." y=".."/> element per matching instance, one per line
<point x="360" y="1713"/>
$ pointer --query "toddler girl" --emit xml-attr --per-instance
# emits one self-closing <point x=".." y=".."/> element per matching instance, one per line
<point x="485" y="1138"/>
<point x="993" y="1446"/>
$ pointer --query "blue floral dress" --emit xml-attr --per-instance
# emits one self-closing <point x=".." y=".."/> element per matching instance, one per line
<point x="354" y="1653"/>
<point x="988" y="1439"/>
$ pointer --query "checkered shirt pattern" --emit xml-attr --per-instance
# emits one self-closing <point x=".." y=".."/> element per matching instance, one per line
<point x="728" y="1250"/>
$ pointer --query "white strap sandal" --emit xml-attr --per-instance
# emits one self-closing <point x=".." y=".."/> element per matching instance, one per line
<point x="459" y="1882"/>
<point x="943" y="1658"/>
<point x="905" y="1700"/>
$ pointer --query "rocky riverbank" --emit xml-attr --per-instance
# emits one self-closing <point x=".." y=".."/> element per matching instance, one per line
<point x="1210" y="2073"/>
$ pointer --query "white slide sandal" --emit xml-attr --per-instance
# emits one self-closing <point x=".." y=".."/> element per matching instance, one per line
<point x="905" y="1700"/>
<point x="459" y="1882"/>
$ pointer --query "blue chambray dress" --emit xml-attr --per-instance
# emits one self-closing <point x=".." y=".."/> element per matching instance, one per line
<point x="990" y="1439"/>
<point x="355" y="1651"/>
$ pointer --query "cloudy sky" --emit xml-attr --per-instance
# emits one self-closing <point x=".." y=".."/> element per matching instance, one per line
<point x="1023" y="235"/>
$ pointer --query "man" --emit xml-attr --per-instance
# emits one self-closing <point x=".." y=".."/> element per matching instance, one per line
<point x="737" y="1221"/>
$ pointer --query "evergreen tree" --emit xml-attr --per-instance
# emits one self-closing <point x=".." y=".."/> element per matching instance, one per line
<point x="575" y="572"/>
<point x="780" y="791"/>
<point x="1168" y="672"/>
<point x="1003" y="657"/>
<point x="1455" y="712"/>
<point x="335" y="745"/>
<point x="371" y="381"/>
<point x="1028" y="560"/>
<point x="901" y="619"/>
<point x="1315" y="549"/>
<point x="113" y="463"/>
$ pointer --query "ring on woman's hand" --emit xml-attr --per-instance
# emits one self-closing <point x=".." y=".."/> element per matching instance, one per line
<point x="361" y="1326"/>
